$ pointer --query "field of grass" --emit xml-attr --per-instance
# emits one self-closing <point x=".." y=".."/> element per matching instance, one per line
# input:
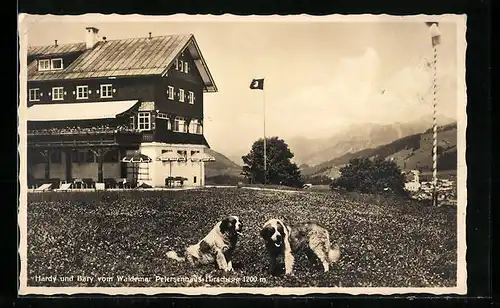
<point x="384" y="242"/>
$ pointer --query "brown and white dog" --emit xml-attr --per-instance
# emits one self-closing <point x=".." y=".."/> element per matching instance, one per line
<point x="309" y="237"/>
<point x="217" y="246"/>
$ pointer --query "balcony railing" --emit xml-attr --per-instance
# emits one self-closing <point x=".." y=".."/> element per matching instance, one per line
<point x="147" y="137"/>
<point x="68" y="131"/>
<point x="84" y="136"/>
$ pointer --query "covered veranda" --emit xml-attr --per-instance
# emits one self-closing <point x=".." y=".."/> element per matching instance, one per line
<point x="79" y="143"/>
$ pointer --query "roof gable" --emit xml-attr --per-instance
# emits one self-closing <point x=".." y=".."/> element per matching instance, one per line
<point x="127" y="57"/>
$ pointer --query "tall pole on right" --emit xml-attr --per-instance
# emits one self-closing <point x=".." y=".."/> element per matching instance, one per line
<point x="265" y="139"/>
<point x="435" y="39"/>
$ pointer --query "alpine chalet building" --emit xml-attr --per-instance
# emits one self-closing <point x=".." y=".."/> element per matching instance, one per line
<point x="93" y="103"/>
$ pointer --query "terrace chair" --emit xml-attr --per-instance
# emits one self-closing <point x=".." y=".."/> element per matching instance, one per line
<point x="78" y="183"/>
<point x="55" y="182"/>
<point x="100" y="186"/>
<point x="120" y="182"/>
<point x="88" y="182"/>
<point x="44" y="187"/>
<point x="109" y="183"/>
<point x="65" y="187"/>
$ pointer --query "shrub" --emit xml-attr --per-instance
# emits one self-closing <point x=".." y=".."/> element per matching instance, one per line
<point x="371" y="176"/>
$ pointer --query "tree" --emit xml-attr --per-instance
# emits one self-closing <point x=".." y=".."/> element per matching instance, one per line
<point x="371" y="176"/>
<point x="280" y="170"/>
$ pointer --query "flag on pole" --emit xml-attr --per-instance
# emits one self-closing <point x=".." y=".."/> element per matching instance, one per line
<point x="257" y="84"/>
<point x="434" y="32"/>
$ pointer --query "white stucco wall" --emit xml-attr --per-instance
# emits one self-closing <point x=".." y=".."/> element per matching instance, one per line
<point x="159" y="170"/>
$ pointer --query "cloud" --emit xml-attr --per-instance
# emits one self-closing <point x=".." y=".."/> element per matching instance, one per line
<point x="357" y="93"/>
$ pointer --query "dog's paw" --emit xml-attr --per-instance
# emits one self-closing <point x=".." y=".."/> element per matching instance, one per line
<point x="289" y="274"/>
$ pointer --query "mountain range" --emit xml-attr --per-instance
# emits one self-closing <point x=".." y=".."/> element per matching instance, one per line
<point x="410" y="152"/>
<point x="357" y="137"/>
<point x="408" y="143"/>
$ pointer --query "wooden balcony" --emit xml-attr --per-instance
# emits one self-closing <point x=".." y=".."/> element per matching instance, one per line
<point x="63" y="138"/>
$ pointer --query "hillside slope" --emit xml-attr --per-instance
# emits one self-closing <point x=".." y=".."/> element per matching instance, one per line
<point x="354" y="138"/>
<point x="221" y="166"/>
<point x="410" y="152"/>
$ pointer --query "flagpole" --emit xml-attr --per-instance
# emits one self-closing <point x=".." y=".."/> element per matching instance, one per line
<point x="265" y="140"/>
<point x="435" y="39"/>
<point x="434" y="131"/>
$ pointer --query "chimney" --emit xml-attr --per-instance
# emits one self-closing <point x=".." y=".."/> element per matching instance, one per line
<point x="104" y="38"/>
<point x="149" y="34"/>
<point x="55" y="44"/>
<point x="91" y="37"/>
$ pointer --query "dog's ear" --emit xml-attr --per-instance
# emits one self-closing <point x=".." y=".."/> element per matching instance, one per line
<point x="264" y="232"/>
<point x="282" y="228"/>
<point x="226" y="225"/>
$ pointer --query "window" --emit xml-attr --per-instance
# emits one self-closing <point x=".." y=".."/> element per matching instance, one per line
<point x="34" y="95"/>
<point x="180" y="125"/>
<point x="186" y="67"/>
<point x="165" y="151"/>
<point x="165" y="116"/>
<point x="191" y="97"/>
<point x="106" y="90"/>
<point x="181" y="65"/>
<point x="169" y="124"/>
<point x="144" y="120"/>
<point x="181" y="95"/>
<point x="195" y="127"/>
<point x="170" y="92"/>
<point x="57" y="64"/>
<point x="57" y="93"/>
<point x="194" y="179"/>
<point x="176" y="64"/>
<point x="82" y="92"/>
<point x="194" y="152"/>
<point x="182" y="153"/>
<point x="132" y="122"/>
<point x="44" y="65"/>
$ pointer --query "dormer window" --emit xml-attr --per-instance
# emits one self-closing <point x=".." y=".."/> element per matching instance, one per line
<point x="50" y="64"/>
<point x="186" y="67"/>
<point x="44" y="65"/>
<point x="57" y="64"/>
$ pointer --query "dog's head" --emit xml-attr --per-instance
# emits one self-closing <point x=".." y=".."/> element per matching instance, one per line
<point x="274" y="232"/>
<point x="231" y="225"/>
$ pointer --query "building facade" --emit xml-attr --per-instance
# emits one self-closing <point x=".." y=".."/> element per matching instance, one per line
<point x="93" y="103"/>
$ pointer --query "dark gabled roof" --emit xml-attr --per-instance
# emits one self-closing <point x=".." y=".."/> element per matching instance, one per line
<point x="126" y="57"/>
<point x="53" y="50"/>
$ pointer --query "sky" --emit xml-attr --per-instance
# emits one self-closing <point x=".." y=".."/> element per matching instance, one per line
<point x="319" y="76"/>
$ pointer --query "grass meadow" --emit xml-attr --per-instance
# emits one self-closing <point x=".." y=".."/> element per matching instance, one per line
<point x="385" y="241"/>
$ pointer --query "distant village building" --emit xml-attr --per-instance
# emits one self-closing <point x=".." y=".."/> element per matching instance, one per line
<point x="412" y="181"/>
<point x="92" y="103"/>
